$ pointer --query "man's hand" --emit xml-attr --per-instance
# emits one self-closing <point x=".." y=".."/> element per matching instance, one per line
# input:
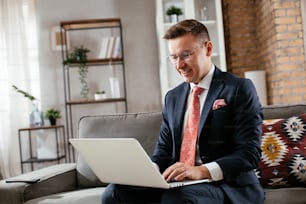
<point x="180" y="171"/>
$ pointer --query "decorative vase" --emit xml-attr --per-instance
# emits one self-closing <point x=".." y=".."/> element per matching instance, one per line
<point x="84" y="90"/>
<point x="36" y="116"/>
<point x="203" y="14"/>
<point x="115" y="87"/>
<point x="83" y="70"/>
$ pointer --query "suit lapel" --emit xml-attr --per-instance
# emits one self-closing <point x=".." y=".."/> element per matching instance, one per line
<point x="180" y="106"/>
<point x="216" y="86"/>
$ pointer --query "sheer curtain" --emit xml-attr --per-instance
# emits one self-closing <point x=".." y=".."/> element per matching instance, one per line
<point x="18" y="66"/>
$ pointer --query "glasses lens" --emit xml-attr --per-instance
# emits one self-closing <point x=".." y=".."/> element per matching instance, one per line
<point x="173" y="59"/>
<point x="184" y="56"/>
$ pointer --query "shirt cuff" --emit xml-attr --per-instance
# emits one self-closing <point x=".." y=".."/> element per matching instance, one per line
<point x="214" y="170"/>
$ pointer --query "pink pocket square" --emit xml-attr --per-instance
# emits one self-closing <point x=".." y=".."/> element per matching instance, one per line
<point x="219" y="103"/>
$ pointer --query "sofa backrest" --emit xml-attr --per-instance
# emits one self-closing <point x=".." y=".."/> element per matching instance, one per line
<point x="145" y="128"/>
<point x="142" y="126"/>
<point x="283" y="111"/>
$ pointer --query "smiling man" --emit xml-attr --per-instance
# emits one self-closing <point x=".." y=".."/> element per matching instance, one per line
<point x="210" y="130"/>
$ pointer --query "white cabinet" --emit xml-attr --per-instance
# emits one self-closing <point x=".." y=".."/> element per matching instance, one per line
<point x="209" y="12"/>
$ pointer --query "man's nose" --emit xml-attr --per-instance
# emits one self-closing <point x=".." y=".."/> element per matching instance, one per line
<point x="180" y="63"/>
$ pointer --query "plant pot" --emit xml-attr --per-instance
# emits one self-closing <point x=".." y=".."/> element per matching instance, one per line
<point x="100" y="96"/>
<point x="52" y="121"/>
<point x="173" y="18"/>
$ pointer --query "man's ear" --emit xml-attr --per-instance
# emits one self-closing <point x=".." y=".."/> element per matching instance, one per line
<point x="209" y="48"/>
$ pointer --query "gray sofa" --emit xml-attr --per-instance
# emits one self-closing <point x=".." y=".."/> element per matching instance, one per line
<point x="75" y="183"/>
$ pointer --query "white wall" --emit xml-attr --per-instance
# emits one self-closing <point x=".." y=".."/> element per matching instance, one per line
<point x="140" y="48"/>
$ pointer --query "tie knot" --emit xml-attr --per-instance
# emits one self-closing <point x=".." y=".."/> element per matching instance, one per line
<point x="197" y="90"/>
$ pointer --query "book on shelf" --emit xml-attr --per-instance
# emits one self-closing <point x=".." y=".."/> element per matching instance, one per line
<point x="110" y="47"/>
<point x="117" y="48"/>
<point x="103" y="48"/>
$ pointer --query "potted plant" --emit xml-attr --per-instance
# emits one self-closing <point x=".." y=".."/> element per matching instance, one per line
<point x="52" y="114"/>
<point x="79" y="56"/>
<point x="100" y="95"/>
<point x="36" y="116"/>
<point x="173" y="12"/>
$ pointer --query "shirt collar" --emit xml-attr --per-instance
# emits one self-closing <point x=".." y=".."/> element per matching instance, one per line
<point x="206" y="81"/>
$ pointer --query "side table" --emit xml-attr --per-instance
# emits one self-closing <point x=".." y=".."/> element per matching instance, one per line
<point x="59" y="133"/>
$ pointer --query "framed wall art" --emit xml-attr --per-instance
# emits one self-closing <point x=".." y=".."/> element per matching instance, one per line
<point x="56" y="42"/>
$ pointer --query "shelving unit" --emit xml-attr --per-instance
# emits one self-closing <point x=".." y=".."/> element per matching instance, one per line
<point x="59" y="137"/>
<point x="90" y="35"/>
<point x="191" y="10"/>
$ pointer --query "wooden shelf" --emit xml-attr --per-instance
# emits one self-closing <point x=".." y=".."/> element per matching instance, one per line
<point x="36" y="160"/>
<point x="96" y="62"/>
<point x="26" y="134"/>
<point x="90" y="101"/>
<point x="41" y="127"/>
<point x="104" y="28"/>
<point x="88" y="24"/>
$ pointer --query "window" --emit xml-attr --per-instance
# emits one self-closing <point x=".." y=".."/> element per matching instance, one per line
<point x="18" y="66"/>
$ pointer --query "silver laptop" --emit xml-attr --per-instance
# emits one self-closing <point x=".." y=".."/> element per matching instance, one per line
<point x="122" y="161"/>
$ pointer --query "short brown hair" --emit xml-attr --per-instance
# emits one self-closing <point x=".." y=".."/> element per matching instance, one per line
<point x="184" y="27"/>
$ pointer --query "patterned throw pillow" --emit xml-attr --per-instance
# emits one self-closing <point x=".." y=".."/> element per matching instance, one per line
<point x="283" y="160"/>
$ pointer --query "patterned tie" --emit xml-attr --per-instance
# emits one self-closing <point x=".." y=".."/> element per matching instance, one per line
<point x="188" y="148"/>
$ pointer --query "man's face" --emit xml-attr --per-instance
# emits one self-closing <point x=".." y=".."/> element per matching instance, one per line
<point x="192" y="59"/>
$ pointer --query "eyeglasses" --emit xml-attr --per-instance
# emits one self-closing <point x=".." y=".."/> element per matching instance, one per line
<point x="184" y="56"/>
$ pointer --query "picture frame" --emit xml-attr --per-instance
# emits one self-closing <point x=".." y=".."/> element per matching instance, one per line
<point x="56" y="43"/>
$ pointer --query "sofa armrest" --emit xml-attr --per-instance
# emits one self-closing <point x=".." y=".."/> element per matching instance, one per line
<point x="42" y="182"/>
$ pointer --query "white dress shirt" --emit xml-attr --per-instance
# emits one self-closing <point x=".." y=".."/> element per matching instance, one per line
<point x="213" y="168"/>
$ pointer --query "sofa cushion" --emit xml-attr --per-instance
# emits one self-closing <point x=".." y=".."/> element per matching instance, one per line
<point x="285" y="196"/>
<point x="142" y="126"/>
<point x="283" y="162"/>
<point x="88" y="196"/>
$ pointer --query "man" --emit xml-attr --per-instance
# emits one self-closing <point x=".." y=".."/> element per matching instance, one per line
<point x="224" y="114"/>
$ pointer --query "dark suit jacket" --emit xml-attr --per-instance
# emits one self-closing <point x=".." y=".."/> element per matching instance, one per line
<point x="229" y="136"/>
